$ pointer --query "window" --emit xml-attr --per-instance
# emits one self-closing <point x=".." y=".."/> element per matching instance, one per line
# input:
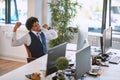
<point x="11" y="12"/>
<point x="2" y="10"/>
<point x="115" y="15"/>
<point x="90" y="14"/>
<point x="96" y="15"/>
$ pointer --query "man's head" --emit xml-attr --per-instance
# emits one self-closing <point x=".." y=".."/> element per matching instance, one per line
<point x="32" y="23"/>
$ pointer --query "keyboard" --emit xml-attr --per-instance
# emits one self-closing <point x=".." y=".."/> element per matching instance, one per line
<point x="115" y="60"/>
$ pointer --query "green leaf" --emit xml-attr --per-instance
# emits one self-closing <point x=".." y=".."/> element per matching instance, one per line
<point x="62" y="11"/>
<point x="62" y="63"/>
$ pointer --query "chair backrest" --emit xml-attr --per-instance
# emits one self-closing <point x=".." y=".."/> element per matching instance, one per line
<point x="29" y="58"/>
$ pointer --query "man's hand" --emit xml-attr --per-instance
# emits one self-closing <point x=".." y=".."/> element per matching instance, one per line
<point x="45" y="26"/>
<point x="17" y="25"/>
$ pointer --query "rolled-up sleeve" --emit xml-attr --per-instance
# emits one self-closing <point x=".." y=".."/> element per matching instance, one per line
<point x="18" y="42"/>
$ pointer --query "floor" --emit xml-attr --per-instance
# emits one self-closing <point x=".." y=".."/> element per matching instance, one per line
<point x="8" y="65"/>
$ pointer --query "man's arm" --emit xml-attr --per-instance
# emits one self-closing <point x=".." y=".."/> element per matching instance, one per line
<point x="49" y="32"/>
<point x="22" y="40"/>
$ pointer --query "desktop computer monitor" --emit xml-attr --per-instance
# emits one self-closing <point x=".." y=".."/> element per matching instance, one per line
<point x="107" y="40"/>
<point x="82" y="37"/>
<point x="53" y="54"/>
<point x="83" y="61"/>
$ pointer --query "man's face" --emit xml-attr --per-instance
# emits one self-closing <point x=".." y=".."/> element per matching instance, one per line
<point x="36" y="27"/>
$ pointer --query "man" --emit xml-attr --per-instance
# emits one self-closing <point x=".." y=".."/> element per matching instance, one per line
<point x="35" y="39"/>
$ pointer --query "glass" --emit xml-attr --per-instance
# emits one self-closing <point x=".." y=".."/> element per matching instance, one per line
<point x="18" y="11"/>
<point x="115" y="15"/>
<point x="2" y="10"/>
<point x="90" y="15"/>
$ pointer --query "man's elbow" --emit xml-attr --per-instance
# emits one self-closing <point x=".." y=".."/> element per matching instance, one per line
<point x="56" y="37"/>
<point x="13" y="43"/>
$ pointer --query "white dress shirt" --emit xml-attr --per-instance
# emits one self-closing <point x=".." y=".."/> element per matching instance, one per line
<point x="49" y="34"/>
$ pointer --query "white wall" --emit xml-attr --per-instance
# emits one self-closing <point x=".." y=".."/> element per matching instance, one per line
<point x="35" y="8"/>
<point x="38" y="8"/>
<point x="6" y="50"/>
<point x="0" y="39"/>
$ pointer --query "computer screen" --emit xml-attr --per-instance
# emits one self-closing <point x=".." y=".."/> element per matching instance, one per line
<point x="107" y="39"/>
<point x="53" y="54"/>
<point x="83" y="61"/>
<point x="82" y="37"/>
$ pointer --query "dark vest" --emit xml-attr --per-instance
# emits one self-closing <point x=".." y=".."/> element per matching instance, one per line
<point x="36" y="47"/>
<point x="44" y="43"/>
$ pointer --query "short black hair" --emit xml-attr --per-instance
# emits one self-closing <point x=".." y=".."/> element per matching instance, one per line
<point x="30" y="21"/>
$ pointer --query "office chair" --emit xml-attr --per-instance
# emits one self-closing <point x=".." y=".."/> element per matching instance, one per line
<point x="29" y="58"/>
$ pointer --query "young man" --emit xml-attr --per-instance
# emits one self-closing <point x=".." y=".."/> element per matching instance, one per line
<point x="35" y="39"/>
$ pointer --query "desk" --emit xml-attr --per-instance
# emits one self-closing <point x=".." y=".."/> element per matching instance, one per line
<point x="19" y="74"/>
<point x="34" y="66"/>
<point x="111" y="73"/>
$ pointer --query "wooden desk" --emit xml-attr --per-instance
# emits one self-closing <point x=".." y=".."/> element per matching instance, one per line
<point x="111" y="73"/>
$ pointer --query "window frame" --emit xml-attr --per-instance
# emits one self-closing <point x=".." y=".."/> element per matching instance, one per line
<point x="8" y="17"/>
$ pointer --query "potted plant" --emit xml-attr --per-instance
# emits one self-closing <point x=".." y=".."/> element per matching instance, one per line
<point x="62" y="11"/>
<point x="61" y="65"/>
